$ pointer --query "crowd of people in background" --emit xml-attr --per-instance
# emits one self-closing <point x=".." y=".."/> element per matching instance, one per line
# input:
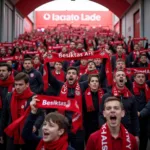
<point x="106" y="75"/>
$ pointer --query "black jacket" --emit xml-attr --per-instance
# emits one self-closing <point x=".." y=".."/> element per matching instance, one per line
<point x="36" y="81"/>
<point x="91" y="119"/>
<point x="27" y="134"/>
<point x="130" y="120"/>
<point x="142" y="105"/>
<point x="3" y="94"/>
<point x="7" y="117"/>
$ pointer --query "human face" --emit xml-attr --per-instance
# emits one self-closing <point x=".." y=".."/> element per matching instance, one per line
<point x="58" y="66"/>
<point x="136" y="47"/>
<point x="113" y="113"/>
<point x="27" y="65"/>
<point x="143" y="59"/>
<point x="64" y="50"/>
<point x="83" y="62"/>
<point x="71" y="76"/>
<point x="119" y="50"/>
<point x="91" y="66"/>
<point x="4" y="73"/>
<point x="72" y="45"/>
<point x="80" y="46"/>
<point x="97" y="61"/>
<point x="20" y="86"/>
<point x="3" y="51"/>
<point x="51" y="131"/>
<point x="94" y="84"/>
<point x="140" y="79"/>
<point x="120" y="79"/>
<point x="120" y="65"/>
<point x="36" y="60"/>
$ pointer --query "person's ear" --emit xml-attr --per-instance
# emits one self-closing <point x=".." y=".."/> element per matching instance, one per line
<point x="123" y="113"/>
<point x="114" y="80"/>
<point x="27" y="84"/>
<point x="61" y="132"/>
<point x="9" y="73"/>
<point x="104" y="114"/>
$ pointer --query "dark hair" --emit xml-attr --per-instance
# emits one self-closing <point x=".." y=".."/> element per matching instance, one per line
<point x="36" y="57"/>
<point x="72" y="68"/>
<point x="113" y="98"/>
<point x="9" y="68"/>
<point x="58" y="62"/>
<point x="28" y="59"/>
<point x="93" y="75"/>
<point x="22" y="76"/>
<point x="143" y="54"/>
<point x="59" y="119"/>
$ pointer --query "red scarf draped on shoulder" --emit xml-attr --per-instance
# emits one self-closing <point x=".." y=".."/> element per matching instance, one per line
<point x="105" y="140"/>
<point x="89" y="101"/>
<point x="15" y="128"/>
<point x="60" y="144"/>
<point x="59" y="76"/>
<point x="7" y="83"/>
<point x="118" y="92"/>
<point x="137" y="88"/>
<point x="77" y="118"/>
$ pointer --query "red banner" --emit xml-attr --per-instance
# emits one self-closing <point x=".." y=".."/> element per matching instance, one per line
<point x="74" y="18"/>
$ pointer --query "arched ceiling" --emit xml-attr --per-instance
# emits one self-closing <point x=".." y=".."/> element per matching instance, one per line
<point x="118" y="7"/>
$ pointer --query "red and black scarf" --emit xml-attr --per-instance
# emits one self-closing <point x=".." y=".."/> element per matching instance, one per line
<point x="77" y="117"/>
<point x="15" y="128"/>
<point x="6" y="83"/>
<point x="137" y="88"/>
<point x="121" y="92"/>
<point x="60" y="144"/>
<point x="89" y="101"/>
<point x="105" y="140"/>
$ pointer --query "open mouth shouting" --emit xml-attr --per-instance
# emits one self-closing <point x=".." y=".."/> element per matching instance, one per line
<point x="113" y="119"/>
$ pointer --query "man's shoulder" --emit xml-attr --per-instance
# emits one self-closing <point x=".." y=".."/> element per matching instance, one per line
<point x="95" y="136"/>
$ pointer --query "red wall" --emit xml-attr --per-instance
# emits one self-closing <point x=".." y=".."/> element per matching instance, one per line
<point x="75" y="18"/>
<point x="28" y="26"/>
<point x="137" y="24"/>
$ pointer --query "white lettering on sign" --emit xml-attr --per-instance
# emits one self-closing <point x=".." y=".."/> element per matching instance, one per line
<point x="72" y="17"/>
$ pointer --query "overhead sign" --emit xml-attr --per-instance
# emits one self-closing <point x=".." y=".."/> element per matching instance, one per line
<point x="75" y="18"/>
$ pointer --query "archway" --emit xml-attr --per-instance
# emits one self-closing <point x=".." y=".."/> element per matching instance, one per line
<point x="118" y="7"/>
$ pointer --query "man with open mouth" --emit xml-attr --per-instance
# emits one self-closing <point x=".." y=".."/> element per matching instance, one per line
<point x="112" y="135"/>
<point x="130" y="120"/>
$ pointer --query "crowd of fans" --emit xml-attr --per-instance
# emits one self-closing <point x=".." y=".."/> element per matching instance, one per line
<point x="91" y="67"/>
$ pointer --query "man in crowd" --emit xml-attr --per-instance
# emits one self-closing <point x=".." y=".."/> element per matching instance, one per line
<point x="130" y="120"/>
<point x="142" y="96"/>
<point x="16" y="105"/>
<point x="112" y="135"/>
<point x="35" y="77"/>
<point x="6" y="85"/>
